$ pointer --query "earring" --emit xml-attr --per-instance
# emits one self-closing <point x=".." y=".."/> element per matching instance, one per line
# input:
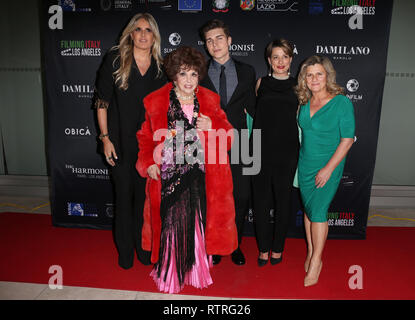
<point x="270" y="71"/>
<point x="197" y="89"/>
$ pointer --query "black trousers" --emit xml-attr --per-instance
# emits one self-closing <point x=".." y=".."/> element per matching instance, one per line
<point x="241" y="195"/>
<point x="128" y="219"/>
<point x="272" y="190"/>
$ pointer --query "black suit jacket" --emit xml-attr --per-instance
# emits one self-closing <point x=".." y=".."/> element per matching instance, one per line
<point x="242" y="98"/>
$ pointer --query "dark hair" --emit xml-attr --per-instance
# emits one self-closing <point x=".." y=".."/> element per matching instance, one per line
<point x="184" y="57"/>
<point x="280" y="43"/>
<point x="214" y="24"/>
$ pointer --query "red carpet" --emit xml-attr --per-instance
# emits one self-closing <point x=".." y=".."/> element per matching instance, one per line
<point x="29" y="245"/>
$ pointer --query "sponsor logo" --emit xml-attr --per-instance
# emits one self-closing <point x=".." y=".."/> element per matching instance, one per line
<point x="117" y="5"/>
<point x="353" y="86"/>
<point x="175" y="39"/>
<point x="341" y="219"/>
<point x="352" y="7"/>
<point x="190" y="5"/>
<point x="347" y="179"/>
<point x="76" y="209"/>
<point x="123" y="5"/>
<point x="77" y="132"/>
<point x="277" y="5"/>
<point x="162" y="4"/>
<point x="82" y="209"/>
<point x="247" y="5"/>
<point x="241" y="49"/>
<point x="220" y="5"/>
<point x="337" y="219"/>
<point x="295" y="50"/>
<point x="342" y="52"/>
<point x="81" y="90"/>
<point x="106" y="5"/>
<point x="72" y="6"/>
<point x="80" y="48"/>
<point x="109" y="210"/>
<point x="88" y="173"/>
<point x="315" y="7"/>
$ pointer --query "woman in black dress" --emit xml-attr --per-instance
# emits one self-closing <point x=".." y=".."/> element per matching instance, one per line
<point x="129" y="72"/>
<point x="276" y="117"/>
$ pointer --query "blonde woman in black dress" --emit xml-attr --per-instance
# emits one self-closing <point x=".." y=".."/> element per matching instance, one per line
<point x="129" y="72"/>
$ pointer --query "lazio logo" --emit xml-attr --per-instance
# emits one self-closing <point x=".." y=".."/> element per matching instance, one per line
<point x="247" y="5"/>
<point x="220" y="5"/>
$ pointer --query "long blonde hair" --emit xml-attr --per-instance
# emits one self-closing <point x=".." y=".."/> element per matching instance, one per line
<point x="126" y="46"/>
<point x="303" y="92"/>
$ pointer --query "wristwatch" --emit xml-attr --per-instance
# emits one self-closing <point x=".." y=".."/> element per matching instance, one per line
<point x="102" y="136"/>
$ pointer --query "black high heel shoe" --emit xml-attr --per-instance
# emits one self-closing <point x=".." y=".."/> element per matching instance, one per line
<point x="262" y="262"/>
<point x="275" y="261"/>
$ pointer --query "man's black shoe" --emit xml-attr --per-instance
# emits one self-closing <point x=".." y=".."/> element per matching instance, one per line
<point x="238" y="257"/>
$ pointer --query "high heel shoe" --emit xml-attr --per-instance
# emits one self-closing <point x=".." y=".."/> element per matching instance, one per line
<point x="262" y="262"/>
<point x="275" y="261"/>
<point x="308" y="282"/>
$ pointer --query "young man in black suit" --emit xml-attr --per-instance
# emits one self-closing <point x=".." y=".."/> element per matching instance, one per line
<point x="234" y="81"/>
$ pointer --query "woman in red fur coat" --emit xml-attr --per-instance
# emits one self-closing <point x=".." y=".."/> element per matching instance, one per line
<point x="189" y="213"/>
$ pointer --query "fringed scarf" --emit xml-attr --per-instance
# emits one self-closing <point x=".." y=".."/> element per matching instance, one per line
<point x="182" y="190"/>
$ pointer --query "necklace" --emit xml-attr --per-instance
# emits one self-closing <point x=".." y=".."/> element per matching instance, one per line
<point x="184" y="98"/>
<point x="280" y="78"/>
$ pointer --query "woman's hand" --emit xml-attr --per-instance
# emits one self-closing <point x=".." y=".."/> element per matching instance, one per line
<point x="203" y="122"/>
<point x="324" y="174"/>
<point x="109" y="151"/>
<point x="322" y="177"/>
<point x="153" y="172"/>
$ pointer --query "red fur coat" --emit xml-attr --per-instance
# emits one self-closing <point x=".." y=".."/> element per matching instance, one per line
<point x="220" y="233"/>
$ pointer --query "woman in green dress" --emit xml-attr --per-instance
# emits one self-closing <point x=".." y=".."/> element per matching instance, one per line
<point x="326" y="119"/>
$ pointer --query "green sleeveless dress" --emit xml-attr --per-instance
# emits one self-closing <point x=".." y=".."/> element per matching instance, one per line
<point x="321" y="135"/>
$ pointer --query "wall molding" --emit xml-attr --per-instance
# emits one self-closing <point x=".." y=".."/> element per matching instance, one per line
<point x="24" y="186"/>
<point x="392" y="196"/>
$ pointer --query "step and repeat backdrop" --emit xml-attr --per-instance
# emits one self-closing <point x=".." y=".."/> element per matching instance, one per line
<point x="76" y="35"/>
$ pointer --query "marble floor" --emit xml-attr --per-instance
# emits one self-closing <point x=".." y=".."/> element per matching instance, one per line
<point x="378" y="216"/>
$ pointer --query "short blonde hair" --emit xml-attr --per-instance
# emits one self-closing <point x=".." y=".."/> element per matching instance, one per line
<point x="303" y="92"/>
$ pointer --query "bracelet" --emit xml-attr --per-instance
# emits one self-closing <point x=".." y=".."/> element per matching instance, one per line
<point x="102" y="136"/>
